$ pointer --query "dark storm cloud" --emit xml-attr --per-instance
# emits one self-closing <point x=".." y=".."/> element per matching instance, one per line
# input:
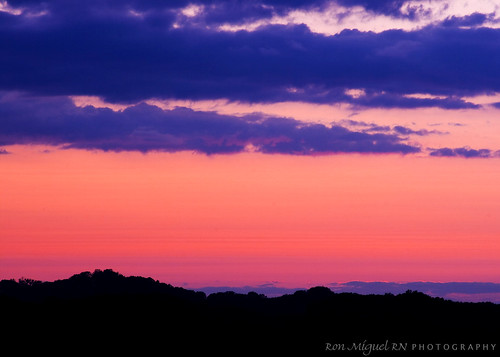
<point x="127" y="51"/>
<point x="143" y="127"/>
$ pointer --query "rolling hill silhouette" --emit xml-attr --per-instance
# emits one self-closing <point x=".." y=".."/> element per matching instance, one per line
<point x="105" y="312"/>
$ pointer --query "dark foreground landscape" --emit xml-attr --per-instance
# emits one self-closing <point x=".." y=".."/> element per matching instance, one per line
<point x="106" y="313"/>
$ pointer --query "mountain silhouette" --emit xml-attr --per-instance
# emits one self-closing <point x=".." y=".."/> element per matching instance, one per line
<point x="106" y="313"/>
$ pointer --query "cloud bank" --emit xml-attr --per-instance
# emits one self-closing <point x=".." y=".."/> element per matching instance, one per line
<point x="131" y="51"/>
<point x="128" y="51"/>
<point x="144" y="128"/>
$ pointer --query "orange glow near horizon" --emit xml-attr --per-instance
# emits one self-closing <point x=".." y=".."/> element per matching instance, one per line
<point x="245" y="219"/>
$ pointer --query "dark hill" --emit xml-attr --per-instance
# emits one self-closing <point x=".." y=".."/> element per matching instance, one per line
<point x="106" y="313"/>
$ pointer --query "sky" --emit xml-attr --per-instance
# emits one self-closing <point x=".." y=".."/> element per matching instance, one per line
<point x="236" y="143"/>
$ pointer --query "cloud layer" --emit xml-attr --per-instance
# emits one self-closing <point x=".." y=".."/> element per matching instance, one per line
<point x="143" y="127"/>
<point x="127" y="51"/>
<point x="465" y="152"/>
<point x="130" y="51"/>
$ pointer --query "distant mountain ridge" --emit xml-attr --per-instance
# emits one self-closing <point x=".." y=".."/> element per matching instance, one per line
<point x="456" y="291"/>
<point x="108" y="312"/>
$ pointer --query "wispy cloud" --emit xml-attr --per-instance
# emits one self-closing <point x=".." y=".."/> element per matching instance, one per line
<point x="463" y="152"/>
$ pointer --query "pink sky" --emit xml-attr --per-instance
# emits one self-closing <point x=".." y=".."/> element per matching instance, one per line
<point x="250" y="218"/>
<point x="204" y="146"/>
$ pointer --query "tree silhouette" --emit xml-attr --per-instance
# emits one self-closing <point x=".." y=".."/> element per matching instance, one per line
<point x="108" y="312"/>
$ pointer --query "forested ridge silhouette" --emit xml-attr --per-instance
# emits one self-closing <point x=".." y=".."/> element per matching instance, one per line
<point x="106" y="312"/>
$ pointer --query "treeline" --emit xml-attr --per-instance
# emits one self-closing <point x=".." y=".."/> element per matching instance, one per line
<point x="107" y="313"/>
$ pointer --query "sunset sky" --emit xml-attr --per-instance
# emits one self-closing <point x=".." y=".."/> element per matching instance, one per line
<point x="230" y="142"/>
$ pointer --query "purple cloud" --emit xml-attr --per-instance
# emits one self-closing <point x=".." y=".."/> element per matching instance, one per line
<point x="422" y="132"/>
<point x="213" y="11"/>
<point x="462" y="152"/>
<point x="388" y="7"/>
<point x="397" y="129"/>
<point x="101" y="48"/>
<point x="475" y="19"/>
<point x="143" y="127"/>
